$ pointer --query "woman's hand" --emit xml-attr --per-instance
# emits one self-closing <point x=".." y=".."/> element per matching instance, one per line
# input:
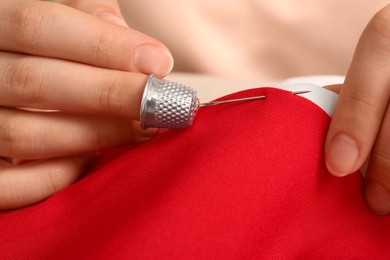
<point x="78" y="58"/>
<point x="360" y="127"/>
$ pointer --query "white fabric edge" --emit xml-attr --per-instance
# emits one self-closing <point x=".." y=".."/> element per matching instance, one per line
<point x="320" y="96"/>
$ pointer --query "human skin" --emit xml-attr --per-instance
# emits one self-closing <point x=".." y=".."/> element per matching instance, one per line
<point x="86" y="63"/>
<point x="98" y="90"/>
<point x="360" y="126"/>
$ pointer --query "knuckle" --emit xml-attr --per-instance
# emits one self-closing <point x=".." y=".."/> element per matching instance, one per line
<point x="99" y="136"/>
<point x="94" y="138"/>
<point x="7" y="193"/>
<point x="25" y="22"/>
<point x="53" y="178"/>
<point x="360" y="105"/>
<point x="25" y="81"/>
<point x="382" y="158"/>
<point x="59" y="174"/>
<point x="17" y="138"/>
<point x="102" y="48"/>
<point x="110" y="97"/>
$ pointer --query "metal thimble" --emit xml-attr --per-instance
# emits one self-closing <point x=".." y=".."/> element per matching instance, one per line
<point x="167" y="104"/>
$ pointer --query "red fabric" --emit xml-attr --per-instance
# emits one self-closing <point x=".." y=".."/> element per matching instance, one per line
<point x="247" y="181"/>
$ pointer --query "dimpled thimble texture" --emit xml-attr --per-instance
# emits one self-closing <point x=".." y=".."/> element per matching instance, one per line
<point x="166" y="104"/>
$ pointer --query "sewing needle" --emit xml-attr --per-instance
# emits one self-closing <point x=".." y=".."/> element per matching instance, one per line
<point x="214" y="103"/>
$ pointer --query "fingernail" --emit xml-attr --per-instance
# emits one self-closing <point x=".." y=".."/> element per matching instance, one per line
<point x="342" y="155"/>
<point x="109" y="17"/>
<point x="150" y="59"/>
<point x="378" y="198"/>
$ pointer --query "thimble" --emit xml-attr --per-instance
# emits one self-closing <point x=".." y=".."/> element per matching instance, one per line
<point x="166" y="104"/>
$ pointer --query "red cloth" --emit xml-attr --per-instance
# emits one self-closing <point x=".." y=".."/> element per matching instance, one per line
<point x="247" y="181"/>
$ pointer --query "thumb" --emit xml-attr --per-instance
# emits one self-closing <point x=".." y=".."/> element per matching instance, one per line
<point x="107" y="10"/>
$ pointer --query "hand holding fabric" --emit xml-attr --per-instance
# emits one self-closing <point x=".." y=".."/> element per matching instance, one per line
<point x="79" y="59"/>
<point x="360" y="128"/>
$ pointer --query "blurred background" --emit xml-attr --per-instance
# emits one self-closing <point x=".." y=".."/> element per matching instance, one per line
<point x="256" y="40"/>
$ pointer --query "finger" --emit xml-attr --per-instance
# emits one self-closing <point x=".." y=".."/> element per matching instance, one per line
<point x="36" y="135"/>
<point x="107" y="10"/>
<point x="363" y="100"/>
<point x="377" y="181"/>
<point x="30" y="183"/>
<point x="58" y="31"/>
<point x="35" y="82"/>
